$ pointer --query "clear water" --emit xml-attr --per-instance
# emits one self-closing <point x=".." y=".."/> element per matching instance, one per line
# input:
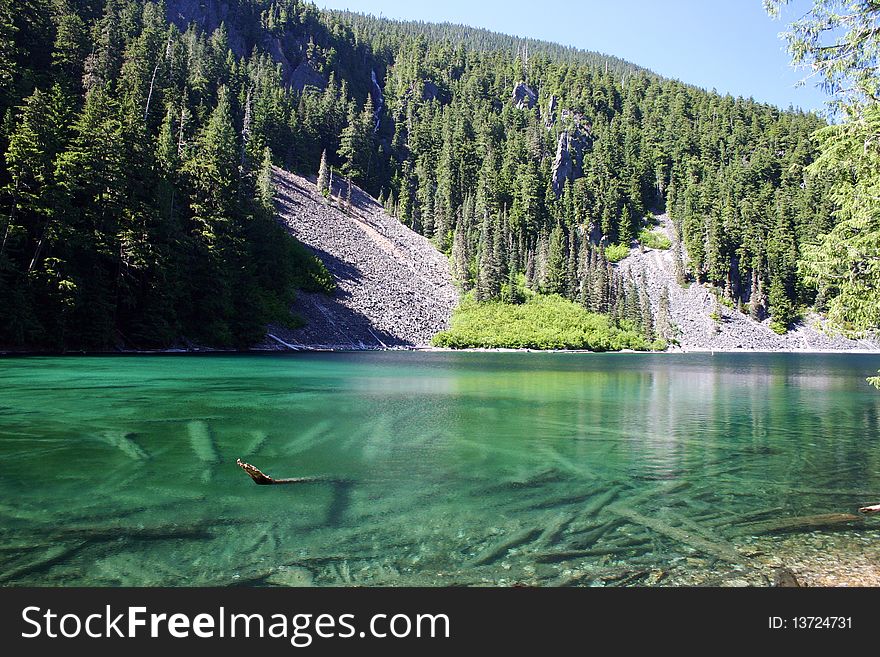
<point x="465" y="468"/>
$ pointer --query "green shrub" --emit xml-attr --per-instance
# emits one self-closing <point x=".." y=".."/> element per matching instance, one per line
<point x="616" y="252"/>
<point x="543" y="322"/>
<point x="652" y="240"/>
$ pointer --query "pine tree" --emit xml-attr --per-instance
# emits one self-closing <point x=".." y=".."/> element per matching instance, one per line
<point x="324" y="176"/>
<point x="265" y="186"/>
<point x="556" y="261"/>
<point x="461" y="259"/>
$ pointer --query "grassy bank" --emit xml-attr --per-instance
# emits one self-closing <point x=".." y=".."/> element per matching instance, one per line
<point x="543" y="322"/>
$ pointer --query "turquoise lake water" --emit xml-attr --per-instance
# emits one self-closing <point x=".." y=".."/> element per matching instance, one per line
<point x="448" y="468"/>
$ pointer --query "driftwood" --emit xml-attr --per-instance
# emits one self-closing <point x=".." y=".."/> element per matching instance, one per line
<point x="799" y="523"/>
<point x="870" y="509"/>
<point x="723" y="551"/>
<point x="265" y="480"/>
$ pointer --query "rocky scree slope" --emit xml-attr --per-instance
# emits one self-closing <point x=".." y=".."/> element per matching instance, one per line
<point x="691" y="309"/>
<point x="394" y="288"/>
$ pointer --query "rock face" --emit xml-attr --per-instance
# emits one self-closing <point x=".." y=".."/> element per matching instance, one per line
<point x="575" y="139"/>
<point x="691" y="312"/>
<point x="550" y="115"/>
<point x="563" y="165"/>
<point x="290" y="51"/>
<point x="394" y="289"/>
<point x="430" y="91"/>
<point x="524" y="97"/>
<point x="378" y="99"/>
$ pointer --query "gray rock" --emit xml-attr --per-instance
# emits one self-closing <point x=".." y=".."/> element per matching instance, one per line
<point x="394" y="288"/>
<point x="550" y="117"/>
<point x="691" y="307"/>
<point x="524" y="97"/>
<point x="563" y="165"/>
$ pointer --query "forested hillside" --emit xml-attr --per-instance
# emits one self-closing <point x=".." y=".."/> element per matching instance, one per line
<point x="139" y="137"/>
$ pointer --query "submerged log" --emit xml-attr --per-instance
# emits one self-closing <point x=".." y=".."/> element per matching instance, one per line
<point x="499" y="550"/>
<point x="799" y="523"/>
<point x="43" y="561"/>
<point x="125" y="442"/>
<point x="616" y="548"/>
<point x="556" y="528"/>
<point x="202" y="442"/>
<point x="586" y="539"/>
<point x="601" y="502"/>
<point x="723" y="551"/>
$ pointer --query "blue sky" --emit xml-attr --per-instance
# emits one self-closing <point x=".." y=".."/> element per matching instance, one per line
<point x="729" y="45"/>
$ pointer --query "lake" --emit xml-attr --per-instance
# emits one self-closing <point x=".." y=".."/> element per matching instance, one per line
<point x="446" y="468"/>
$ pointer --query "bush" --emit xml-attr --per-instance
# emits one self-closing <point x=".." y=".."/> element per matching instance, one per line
<point x="543" y="322"/>
<point x="616" y="252"/>
<point x="652" y="240"/>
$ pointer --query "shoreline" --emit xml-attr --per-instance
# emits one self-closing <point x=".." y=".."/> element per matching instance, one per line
<point x="339" y="349"/>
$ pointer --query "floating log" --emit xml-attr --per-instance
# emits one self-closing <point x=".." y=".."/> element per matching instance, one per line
<point x="265" y="480"/>
<point x="723" y="551"/>
<point x="870" y="509"/>
<point x="799" y="523"/>
<point x="499" y="550"/>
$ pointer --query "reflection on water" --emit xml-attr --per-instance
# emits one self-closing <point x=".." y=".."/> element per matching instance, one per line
<point x="460" y="468"/>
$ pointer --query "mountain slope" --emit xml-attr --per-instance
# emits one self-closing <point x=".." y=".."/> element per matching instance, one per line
<point x="393" y="287"/>
<point x="691" y="309"/>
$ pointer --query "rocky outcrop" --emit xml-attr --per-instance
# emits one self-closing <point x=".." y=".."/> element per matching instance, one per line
<point x="430" y="91"/>
<point x="563" y="164"/>
<point x="550" y="114"/>
<point x="524" y="97"/>
<point x="297" y="71"/>
<point x="378" y="99"/>
<point x="575" y="140"/>
<point x="394" y="289"/>
<point x="691" y="311"/>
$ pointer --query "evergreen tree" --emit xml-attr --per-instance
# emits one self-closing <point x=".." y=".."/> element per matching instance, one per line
<point x="324" y="176"/>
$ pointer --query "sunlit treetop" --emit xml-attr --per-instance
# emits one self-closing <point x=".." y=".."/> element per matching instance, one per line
<point x="838" y="42"/>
